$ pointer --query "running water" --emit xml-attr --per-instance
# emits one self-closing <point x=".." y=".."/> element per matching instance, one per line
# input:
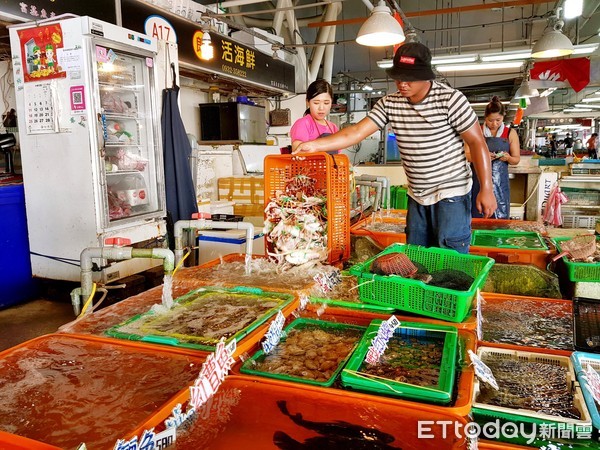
<point x="167" y="293"/>
<point x="166" y="298"/>
<point x="248" y="263"/>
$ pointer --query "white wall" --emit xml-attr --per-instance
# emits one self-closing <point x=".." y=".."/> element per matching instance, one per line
<point x="189" y="98"/>
<point x="7" y="90"/>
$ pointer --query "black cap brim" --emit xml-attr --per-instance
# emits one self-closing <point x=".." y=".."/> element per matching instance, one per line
<point x="411" y="73"/>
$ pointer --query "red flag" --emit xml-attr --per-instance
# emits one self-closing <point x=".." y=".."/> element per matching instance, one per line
<point x="575" y="70"/>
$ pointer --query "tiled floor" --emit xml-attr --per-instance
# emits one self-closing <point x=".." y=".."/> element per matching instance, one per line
<point x="28" y="320"/>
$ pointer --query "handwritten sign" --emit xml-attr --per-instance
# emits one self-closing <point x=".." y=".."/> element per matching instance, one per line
<point x="178" y="417"/>
<point x="380" y="342"/>
<point x="327" y="281"/>
<point x="593" y="380"/>
<point x="212" y="374"/>
<point x="483" y="372"/>
<point x="273" y="335"/>
<point x="480" y="302"/>
<point x="149" y="441"/>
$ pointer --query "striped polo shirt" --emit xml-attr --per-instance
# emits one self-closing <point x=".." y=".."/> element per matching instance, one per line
<point x="428" y="137"/>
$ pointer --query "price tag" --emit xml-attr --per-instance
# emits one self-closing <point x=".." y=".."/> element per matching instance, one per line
<point x="328" y="280"/>
<point x="164" y="439"/>
<point x="483" y="372"/>
<point x="480" y="302"/>
<point x="178" y="417"/>
<point x="593" y="379"/>
<point x="273" y="335"/>
<point x="379" y="342"/>
<point x="304" y="301"/>
<point x="212" y="374"/>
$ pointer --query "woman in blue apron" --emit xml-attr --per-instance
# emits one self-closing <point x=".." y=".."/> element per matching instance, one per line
<point x="504" y="147"/>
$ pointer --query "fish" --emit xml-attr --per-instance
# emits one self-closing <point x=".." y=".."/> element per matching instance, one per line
<point x="340" y="430"/>
<point x="286" y="442"/>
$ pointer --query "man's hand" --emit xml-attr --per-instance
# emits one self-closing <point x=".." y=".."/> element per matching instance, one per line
<point x="486" y="202"/>
<point x="306" y="147"/>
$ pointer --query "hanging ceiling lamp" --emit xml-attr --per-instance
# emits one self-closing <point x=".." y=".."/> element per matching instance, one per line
<point x="526" y="91"/>
<point x="206" y="48"/>
<point x="553" y="42"/>
<point x="380" y="29"/>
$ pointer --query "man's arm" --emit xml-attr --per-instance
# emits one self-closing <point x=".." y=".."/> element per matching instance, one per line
<point x="342" y="139"/>
<point x="486" y="201"/>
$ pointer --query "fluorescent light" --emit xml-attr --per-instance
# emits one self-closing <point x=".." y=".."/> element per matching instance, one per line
<point x="380" y="29"/>
<point x="454" y="59"/>
<point x="506" y="56"/>
<point x="584" y="49"/>
<point x="548" y="91"/>
<point x="487" y="103"/>
<point x="578" y="110"/>
<point x="479" y="66"/>
<point x="579" y="105"/>
<point x="590" y="99"/>
<point x="385" y="63"/>
<point x="573" y="8"/>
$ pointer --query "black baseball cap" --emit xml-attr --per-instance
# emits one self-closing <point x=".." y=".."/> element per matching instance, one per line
<point x="412" y="62"/>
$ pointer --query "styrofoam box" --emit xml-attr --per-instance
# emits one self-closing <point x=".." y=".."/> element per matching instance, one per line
<point x="218" y="207"/>
<point x="214" y="244"/>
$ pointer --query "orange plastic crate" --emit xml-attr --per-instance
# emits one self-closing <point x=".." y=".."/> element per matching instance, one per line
<point x="557" y="308"/>
<point x="100" y="390"/>
<point x="492" y="445"/>
<point x="478" y="223"/>
<point x="276" y="411"/>
<point x="539" y="258"/>
<point x="382" y="238"/>
<point x="332" y="173"/>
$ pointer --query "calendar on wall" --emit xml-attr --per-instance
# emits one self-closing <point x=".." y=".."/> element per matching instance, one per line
<point x="40" y="108"/>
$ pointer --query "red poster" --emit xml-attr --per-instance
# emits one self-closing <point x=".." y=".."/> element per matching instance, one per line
<point x="574" y="70"/>
<point x="38" y="52"/>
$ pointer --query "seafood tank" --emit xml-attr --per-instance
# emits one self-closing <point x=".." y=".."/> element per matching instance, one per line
<point x="418" y="363"/>
<point x="269" y="414"/>
<point x="64" y="390"/>
<point x="530" y="322"/>
<point x="312" y="351"/>
<point x="202" y="317"/>
<point x="531" y="384"/>
<point x="522" y="279"/>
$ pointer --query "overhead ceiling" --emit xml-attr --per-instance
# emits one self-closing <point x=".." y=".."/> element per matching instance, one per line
<point x="446" y="27"/>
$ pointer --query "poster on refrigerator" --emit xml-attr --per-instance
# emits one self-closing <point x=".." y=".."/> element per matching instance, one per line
<point x="39" y="47"/>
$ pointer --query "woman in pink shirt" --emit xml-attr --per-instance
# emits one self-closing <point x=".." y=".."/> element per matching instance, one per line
<point x="319" y="97"/>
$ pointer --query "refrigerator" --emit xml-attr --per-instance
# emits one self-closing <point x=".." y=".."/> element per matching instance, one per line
<point x="89" y="127"/>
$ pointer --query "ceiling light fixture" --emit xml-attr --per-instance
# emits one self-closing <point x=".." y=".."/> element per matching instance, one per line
<point x="380" y="29"/>
<point x="579" y="105"/>
<point x="526" y="91"/>
<point x="479" y="66"/>
<point x="454" y="59"/>
<point x="577" y="110"/>
<point x="206" y="48"/>
<point x="367" y="86"/>
<point x="573" y="8"/>
<point x="553" y="42"/>
<point x="590" y="99"/>
<point x="385" y="63"/>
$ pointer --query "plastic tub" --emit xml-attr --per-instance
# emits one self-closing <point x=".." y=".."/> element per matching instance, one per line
<point x="503" y="247"/>
<point x="586" y="324"/>
<point x="328" y="330"/>
<point x="62" y="390"/>
<point x="15" y="276"/>
<point x="258" y="413"/>
<point x="408" y="333"/>
<point x="172" y="329"/>
<point x="580" y="362"/>
<point x="523" y="415"/>
<point x="518" y="323"/>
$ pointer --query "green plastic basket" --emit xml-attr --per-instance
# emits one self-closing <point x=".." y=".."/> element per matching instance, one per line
<point x="439" y="394"/>
<point x="579" y="271"/>
<point x="260" y="356"/>
<point x="415" y="296"/>
<point x="520" y="240"/>
<point x="146" y="320"/>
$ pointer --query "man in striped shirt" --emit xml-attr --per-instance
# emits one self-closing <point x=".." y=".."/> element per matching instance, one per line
<point x="431" y="121"/>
